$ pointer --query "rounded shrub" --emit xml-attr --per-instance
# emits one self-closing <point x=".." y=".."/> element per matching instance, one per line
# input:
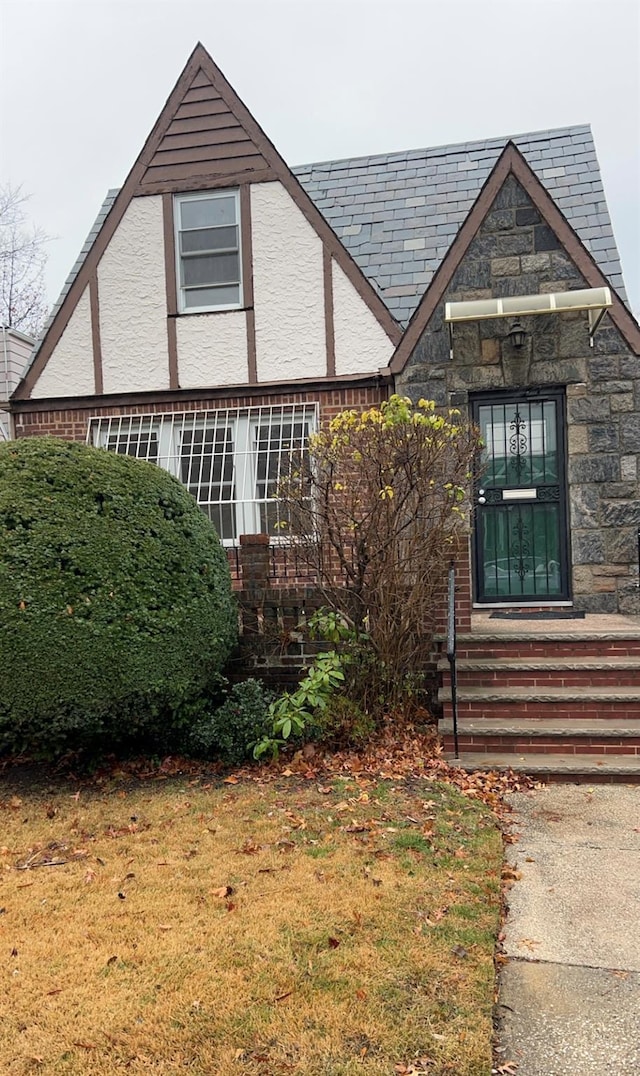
<point x="116" y="609"/>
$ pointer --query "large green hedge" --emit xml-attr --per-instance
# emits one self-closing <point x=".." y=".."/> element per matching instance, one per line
<point x="116" y="609"/>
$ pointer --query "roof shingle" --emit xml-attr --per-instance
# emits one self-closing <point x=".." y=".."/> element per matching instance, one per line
<point x="398" y="213"/>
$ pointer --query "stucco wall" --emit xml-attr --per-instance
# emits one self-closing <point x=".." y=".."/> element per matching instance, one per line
<point x="69" y="371"/>
<point x="212" y="350"/>
<point x="361" y="344"/>
<point x="131" y="285"/>
<point x="288" y="288"/>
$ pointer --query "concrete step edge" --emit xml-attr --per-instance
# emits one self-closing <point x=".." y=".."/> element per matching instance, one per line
<point x="553" y="765"/>
<point x="542" y="727"/>
<point x="520" y="664"/>
<point x="565" y="636"/>
<point x="536" y="694"/>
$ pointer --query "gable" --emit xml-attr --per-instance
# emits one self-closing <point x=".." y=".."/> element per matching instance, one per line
<point x="511" y="187"/>
<point x="203" y="137"/>
<point x="205" y="140"/>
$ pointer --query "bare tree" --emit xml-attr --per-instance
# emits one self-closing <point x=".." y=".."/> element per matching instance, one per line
<point x="23" y="256"/>
<point x="376" y="510"/>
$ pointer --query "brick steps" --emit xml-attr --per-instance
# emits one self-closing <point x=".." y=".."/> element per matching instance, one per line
<point x="545" y="736"/>
<point x="545" y="672"/>
<point x="540" y="644"/>
<point x="560" y="704"/>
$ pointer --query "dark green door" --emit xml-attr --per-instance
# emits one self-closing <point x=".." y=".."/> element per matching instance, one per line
<point x="521" y="538"/>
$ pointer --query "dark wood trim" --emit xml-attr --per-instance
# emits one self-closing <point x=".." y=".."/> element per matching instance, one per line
<point x="131" y="399"/>
<point x="205" y="183"/>
<point x="94" y="302"/>
<point x="247" y="246"/>
<point x="328" y="313"/>
<point x="511" y="162"/>
<point x="169" y="255"/>
<point x="246" y="234"/>
<point x="171" y="285"/>
<point x="252" y="355"/>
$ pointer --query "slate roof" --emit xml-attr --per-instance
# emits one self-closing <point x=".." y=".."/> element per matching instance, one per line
<point x="398" y="213"/>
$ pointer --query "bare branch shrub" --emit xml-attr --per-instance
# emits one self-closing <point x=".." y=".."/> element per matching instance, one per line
<point x="375" y="509"/>
<point x="23" y="301"/>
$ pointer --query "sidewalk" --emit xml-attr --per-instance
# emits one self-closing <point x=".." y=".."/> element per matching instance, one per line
<point x="569" y="1000"/>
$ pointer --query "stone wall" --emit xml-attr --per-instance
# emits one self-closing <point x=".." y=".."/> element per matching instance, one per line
<point x="516" y="253"/>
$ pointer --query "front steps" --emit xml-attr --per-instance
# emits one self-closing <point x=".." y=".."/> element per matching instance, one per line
<point x="561" y="703"/>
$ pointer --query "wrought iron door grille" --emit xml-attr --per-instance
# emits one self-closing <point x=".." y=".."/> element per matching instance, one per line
<point x="521" y="541"/>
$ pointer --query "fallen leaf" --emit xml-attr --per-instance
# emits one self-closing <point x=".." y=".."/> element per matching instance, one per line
<point x="223" y="891"/>
<point x="460" y="951"/>
<point x="281" y="997"/>
<point x="333" y="943"/>
<point x="231" y="780"/>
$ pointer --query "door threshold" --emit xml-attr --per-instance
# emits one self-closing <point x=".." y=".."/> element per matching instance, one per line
<point x="479" y="606"/>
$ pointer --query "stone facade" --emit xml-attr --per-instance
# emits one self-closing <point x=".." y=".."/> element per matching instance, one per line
<point x="516" y="253"/>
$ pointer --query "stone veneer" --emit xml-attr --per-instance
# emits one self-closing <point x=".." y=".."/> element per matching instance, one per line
<point x="516" y="253"/>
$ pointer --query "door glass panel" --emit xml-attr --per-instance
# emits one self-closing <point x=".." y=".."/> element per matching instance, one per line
<point x="520" y="443"/>
<point x="521" y="551"/>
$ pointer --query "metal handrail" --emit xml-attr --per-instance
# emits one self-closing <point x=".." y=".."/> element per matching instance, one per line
<point x="451" y="655"/>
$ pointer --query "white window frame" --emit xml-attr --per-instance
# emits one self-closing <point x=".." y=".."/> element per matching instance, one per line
<point x="180" y="199"/>
<point x="170" y="427"/>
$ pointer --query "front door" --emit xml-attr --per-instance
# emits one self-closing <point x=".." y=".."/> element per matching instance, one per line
<point x="521" y="537"/>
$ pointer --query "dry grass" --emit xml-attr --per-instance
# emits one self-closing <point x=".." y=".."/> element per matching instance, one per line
<point x="356" y="934"/>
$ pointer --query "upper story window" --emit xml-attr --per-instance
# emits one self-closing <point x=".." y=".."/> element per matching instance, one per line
<point x="208" y="251"/>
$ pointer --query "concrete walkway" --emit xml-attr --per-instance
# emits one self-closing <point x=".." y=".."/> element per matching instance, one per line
<point x="569" y="1000"/>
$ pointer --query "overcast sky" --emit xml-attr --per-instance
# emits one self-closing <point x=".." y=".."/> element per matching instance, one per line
<point x="83" y="82"/>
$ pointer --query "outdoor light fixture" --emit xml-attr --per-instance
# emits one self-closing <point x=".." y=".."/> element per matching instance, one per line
<point x="517" y="334"/>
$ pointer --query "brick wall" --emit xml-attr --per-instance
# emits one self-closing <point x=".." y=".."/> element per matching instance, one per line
<point x="72" y="421"/>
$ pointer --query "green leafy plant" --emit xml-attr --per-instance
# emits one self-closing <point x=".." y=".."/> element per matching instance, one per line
<point x="229" y="731"/>
<point x="116" y="611"/>
<point x="293" y="711"/>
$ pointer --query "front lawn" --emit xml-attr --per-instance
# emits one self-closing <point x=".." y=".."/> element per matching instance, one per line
<point x="331" y="926"/>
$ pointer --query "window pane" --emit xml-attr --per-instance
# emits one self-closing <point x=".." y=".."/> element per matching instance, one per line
<point x="206" y="468"/>
<point x="211" y="269"/>
<point x="208" y="212"/>
<point x="279" y="451"/>
<point x="204" y="297"/>
<point x="209" y="239"/>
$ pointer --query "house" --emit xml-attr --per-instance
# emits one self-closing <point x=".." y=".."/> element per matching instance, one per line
<point x="224" y="305"/>
<point x="15" y="350"/>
